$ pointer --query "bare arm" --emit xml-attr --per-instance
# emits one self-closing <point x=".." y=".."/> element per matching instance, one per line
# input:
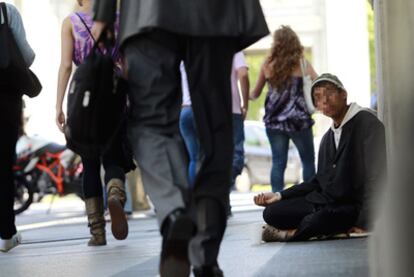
<point x="65" y="70"/>
<point x="259" y="85"/>
<point x="243" y="77"/>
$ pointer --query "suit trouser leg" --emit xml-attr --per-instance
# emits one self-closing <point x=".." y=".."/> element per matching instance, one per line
<point x="10" y="112"/>
<point x="208" y="64"/>
<point x="155" y="96"/>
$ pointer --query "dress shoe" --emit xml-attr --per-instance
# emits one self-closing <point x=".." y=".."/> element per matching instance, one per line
<point x="208" y="271"/>
<point x="177" y="231"/>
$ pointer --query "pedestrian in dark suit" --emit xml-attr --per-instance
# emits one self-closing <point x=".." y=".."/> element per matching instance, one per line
<point x="351" y="167"/>
<point x="155" y="36"/>
<point x="11" y="106"/>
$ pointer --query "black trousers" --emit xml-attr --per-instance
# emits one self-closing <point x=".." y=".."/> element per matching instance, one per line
<point x="153" y="71"/>
<point x="310" y="220"/>
<point x="10" y="115"/>
<point x="115" y="162"/>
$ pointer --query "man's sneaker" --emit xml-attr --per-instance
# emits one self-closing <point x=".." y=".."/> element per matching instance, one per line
<point x="7" y="244"/>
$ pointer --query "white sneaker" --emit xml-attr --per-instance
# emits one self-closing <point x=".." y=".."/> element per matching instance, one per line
<point x="7" y="244"/>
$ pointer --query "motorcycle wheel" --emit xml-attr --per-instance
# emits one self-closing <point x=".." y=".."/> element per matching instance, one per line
<point x="23" y="195"/>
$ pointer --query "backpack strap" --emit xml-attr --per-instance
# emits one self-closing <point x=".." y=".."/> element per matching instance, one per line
<point x="90" y="34"/>
<point x="4" y="13"/>
<point x="86" y="26"/>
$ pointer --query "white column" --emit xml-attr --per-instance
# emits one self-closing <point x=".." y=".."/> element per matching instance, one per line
<point x="392" y="248"/>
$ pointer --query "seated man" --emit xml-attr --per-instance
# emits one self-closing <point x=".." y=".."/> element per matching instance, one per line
<point x="351" y="166"/>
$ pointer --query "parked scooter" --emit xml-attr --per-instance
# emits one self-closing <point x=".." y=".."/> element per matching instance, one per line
<point x="43" y="167"/>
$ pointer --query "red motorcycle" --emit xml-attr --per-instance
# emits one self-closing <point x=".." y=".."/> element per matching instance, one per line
<point x="44" y="167"/>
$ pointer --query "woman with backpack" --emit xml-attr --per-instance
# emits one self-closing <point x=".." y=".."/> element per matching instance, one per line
<point x="10" y="115"/>
<point x="77" y="42"/>
<point x="286" y="115"/>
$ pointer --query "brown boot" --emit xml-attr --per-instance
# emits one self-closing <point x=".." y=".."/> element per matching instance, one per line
<point x="116" y="202"/>
<point x="96" y="221"/>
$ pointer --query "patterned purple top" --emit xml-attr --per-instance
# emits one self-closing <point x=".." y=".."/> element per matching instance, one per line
<point x="83" y="42"/>
<point x="286" y="110"/>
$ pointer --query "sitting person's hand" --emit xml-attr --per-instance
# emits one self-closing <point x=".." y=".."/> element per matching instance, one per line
<point x="264" y="199"/>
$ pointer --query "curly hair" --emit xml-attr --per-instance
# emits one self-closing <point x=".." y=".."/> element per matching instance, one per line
<point x="284" y="57"/>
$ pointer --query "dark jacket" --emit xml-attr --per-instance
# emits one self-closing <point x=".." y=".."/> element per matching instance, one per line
<point x="352" y="174"/>
<point x="241" y="19"/>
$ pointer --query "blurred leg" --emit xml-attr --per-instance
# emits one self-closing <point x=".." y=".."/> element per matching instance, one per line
<point x="238" y="141"/>
<point x="208" y="65"/>
<point x="189" y="133"/>
<point x="153" y="131"/>
<point x="304" y="142"/>
<point x="279" y="143"/>
<point x="10" y="111"/>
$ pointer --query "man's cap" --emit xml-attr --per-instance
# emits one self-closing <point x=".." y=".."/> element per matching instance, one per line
<point x="326" y="77"/>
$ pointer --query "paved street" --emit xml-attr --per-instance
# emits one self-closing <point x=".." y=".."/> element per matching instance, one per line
<point x="55" y="245"/>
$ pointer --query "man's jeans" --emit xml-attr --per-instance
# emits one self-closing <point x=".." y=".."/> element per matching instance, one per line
<point x="238" y="140"/>
<point x="189" y="133"/>
<point x="279" y="142"/>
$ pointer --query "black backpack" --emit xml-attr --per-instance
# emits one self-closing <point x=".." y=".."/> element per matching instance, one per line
<point x="15" y="76"/>
<point x="96" y="104"/>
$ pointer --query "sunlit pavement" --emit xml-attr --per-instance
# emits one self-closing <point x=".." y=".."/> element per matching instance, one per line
<point x="54" y="244"/>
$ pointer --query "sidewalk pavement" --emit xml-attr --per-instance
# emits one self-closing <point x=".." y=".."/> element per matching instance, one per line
<point x="58" y="248"/>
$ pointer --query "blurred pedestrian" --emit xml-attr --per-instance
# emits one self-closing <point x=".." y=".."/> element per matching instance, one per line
<point x="77" y="42"/>
<point x="240" y="102"/>
<point x="10" y="118"/>
<point x="156" y="36"/>
<point x="240" y="106"/>
<point x="351" y="169"/>
<point x="286" y="116"/>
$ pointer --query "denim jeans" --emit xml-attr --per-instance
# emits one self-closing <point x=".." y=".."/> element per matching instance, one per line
<point x="238" y="141"/>
<point x="279" y="142"/>
<point x="189" y="134"/>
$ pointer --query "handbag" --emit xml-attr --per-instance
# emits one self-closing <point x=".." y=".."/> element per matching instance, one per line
<point x="96" y="103"/>
<point x="307" y="85"/>
<point x="15" y="75"/>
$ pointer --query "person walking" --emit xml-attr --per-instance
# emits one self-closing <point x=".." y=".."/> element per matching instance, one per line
<point x="240" y="102"/>
<point x="10" y="116"/>
<point x="240" y="106"/>
<point x="286" y="116"/>
<point x="156" y="36"/>
<point x="77" y="41"/>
